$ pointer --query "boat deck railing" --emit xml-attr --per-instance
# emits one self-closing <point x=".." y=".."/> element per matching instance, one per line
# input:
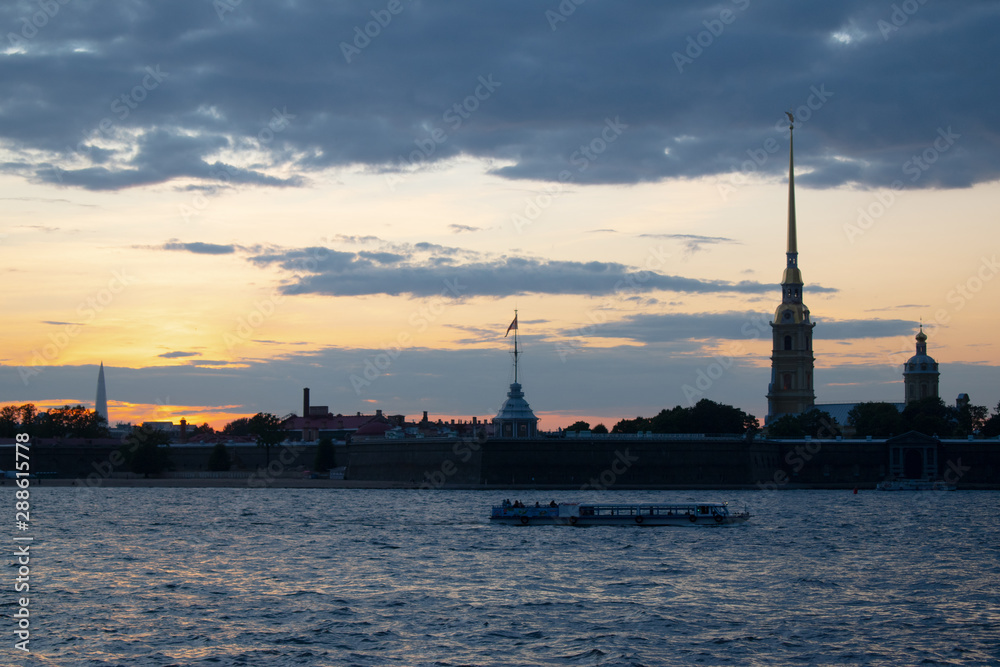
<point x="509" y="510"/>
<point x="653" y="510"/>
<point x="698" y="509"/>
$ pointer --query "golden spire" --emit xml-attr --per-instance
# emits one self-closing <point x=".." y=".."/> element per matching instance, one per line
<point x="792" y="275"/>
<point x="792" y="245"/>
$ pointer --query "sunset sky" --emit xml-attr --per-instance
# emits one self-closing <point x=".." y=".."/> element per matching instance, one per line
<point x="228" y="201"/>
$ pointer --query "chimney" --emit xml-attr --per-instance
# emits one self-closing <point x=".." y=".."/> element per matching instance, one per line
<point x="305" y="402"/>
<point x="184" y="428"/>
<point x="425" y="417"/>
<point x="378" y="414"/>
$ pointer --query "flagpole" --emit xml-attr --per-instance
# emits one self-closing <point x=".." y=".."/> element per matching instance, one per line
<point x="515" y="348"/>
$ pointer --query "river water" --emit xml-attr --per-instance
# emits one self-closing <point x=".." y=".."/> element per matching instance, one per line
<point x="398" y="577"/>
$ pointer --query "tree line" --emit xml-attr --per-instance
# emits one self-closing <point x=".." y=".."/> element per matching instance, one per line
<point x="66" y="422"/>
<point x="145" y="450"/>
<point x="705" y="416"/>
<point x="930" y="416"/>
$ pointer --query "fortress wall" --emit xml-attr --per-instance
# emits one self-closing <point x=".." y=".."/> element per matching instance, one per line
<point x="104" y="459"/>
<point x="833" y="462"/>
<point x="604" y="463"/>
<point x="577" y="462"/>
<point x="429" y="462"/>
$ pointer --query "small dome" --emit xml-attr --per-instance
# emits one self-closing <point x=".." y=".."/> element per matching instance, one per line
<point x="922" y="362"/>
<point x="515" y="407"/>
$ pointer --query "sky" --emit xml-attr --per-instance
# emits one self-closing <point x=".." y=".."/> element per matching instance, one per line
<point x="227" y="201"/>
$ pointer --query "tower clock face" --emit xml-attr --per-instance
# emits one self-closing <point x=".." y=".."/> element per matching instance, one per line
<point x="786" y="316"/>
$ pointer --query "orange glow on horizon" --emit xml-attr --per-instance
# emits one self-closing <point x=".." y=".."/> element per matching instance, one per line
<point x="215" y="416"/>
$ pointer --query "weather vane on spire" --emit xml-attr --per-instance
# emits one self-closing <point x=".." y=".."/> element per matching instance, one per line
<point x="513" y="325"/>
<point x="791" y="120"/>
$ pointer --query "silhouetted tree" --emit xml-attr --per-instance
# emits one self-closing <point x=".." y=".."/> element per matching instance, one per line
<point x="10" y="420"/>
<point x="875" y="418"/>
<point x="631" y="425"/>
<point x="991" y="427"/>
<point x="578" y="426"/>
<point x="705" y="416"/>
<point x="970" y="419"/>
<point x="78" y="422"/>
<point x="65" y="422"/>
<point x="218" y="460"/>
<point x="16" y="419"/>
<point x="929" y="416"/>
<point x="267" y="429"/>
<point x="204" y="429"/>
<point x="325" y="456"/>
<point x="238" y="427"/>
<point x="600" y="428"/>
<point x="147" y="450"/>
<point x="28" y="415"/>
<point x="785" y="426"/>
<point x="815" y="423"/>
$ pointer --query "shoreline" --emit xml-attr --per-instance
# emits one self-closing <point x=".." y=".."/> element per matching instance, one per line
<point x="290" y="483"/>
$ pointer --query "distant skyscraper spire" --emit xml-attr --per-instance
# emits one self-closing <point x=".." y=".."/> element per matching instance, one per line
<point x="101" y="404"/>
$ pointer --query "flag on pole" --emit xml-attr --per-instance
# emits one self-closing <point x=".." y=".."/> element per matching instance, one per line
<point x="513" y="325"/>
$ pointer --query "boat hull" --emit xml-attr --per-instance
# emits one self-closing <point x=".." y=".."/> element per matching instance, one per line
<point x="618" y="521"/>
<point x="574" y="514"/>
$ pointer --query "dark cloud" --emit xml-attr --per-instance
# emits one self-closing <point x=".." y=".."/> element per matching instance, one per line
<point x="382" y="257"/>
<point x="672" y="327"/>
<point x="692" y="242"/>
<point x="200" y="248"/>
<point x="177" y="354"/>
<point x="554" y="379"/>
<point x="216" y="363"/>
<point x="144" y="93"/>
<point x="337" y="273"/>
<point x="41" y="228"/>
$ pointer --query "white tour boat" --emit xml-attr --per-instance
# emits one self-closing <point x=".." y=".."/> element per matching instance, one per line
<point x="578" y="514"/>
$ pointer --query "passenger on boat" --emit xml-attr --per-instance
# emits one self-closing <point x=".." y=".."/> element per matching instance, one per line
<point x="536" y="504"/>
<point x="553" y="504"/>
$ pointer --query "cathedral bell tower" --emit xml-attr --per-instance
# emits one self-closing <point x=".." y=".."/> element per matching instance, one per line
<point x="920" y="373"/>
<point x="791" y="387"/>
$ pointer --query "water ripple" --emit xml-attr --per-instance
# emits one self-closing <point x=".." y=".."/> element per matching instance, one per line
<point x="362" y="577"/>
